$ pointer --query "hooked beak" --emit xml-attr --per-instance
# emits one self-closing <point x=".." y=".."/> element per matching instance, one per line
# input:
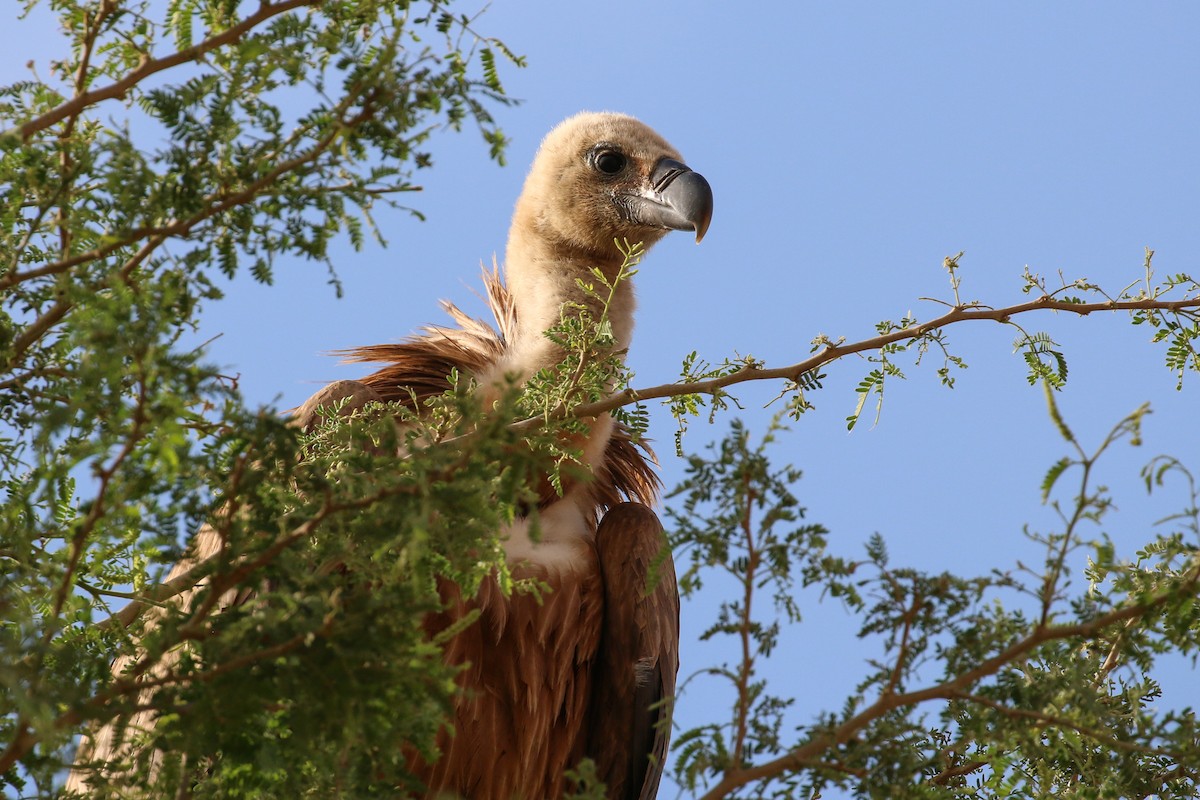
<point x="677" y="199"/>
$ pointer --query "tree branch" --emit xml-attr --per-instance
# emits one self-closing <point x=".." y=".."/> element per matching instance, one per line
<point x="156" y="236"/>
<point x="832" y="351"/>
<point x="952" y="689"/>
<point x="1044" y="720"/>
<point x="214" y="204"/>
<point x="118" y="89"/>
<point x="748" y="579"/>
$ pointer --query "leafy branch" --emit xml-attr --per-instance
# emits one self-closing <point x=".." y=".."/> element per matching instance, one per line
<point x="739" y="518"/>
<point x="1050" y="674"/>
<point x="160" y="154"/>
<point x="1175" y="319"/>
<point x="149" y="66"/>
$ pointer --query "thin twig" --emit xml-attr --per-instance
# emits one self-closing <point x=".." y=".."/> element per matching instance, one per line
<point x="745" y="624"/>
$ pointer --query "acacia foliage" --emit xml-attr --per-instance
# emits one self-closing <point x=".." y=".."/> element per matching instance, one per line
<point x="174" y="142"/>
<point x="1007" y="683"/>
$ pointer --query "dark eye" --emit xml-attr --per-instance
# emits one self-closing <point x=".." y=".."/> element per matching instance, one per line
<point x="610" y="162"/>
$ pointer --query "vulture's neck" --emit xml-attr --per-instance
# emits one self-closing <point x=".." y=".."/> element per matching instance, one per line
<point x="543" y="281"/>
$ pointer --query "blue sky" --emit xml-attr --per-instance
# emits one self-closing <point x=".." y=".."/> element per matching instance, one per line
<point x="850" y="146"/>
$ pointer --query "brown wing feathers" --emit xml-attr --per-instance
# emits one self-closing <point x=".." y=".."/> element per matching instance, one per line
<point x="420" y="367"/>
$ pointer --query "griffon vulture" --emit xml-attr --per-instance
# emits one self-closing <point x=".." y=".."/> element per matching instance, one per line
<point x="590" y="670"/>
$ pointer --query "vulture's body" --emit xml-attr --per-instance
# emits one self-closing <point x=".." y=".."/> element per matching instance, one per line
<point x="589" y="671"/>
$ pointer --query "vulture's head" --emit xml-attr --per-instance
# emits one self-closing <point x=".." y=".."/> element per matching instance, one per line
<point x="603" y="176"/>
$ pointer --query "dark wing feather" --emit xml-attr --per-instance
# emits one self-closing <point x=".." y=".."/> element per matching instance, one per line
<point x="634" y="675"/>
